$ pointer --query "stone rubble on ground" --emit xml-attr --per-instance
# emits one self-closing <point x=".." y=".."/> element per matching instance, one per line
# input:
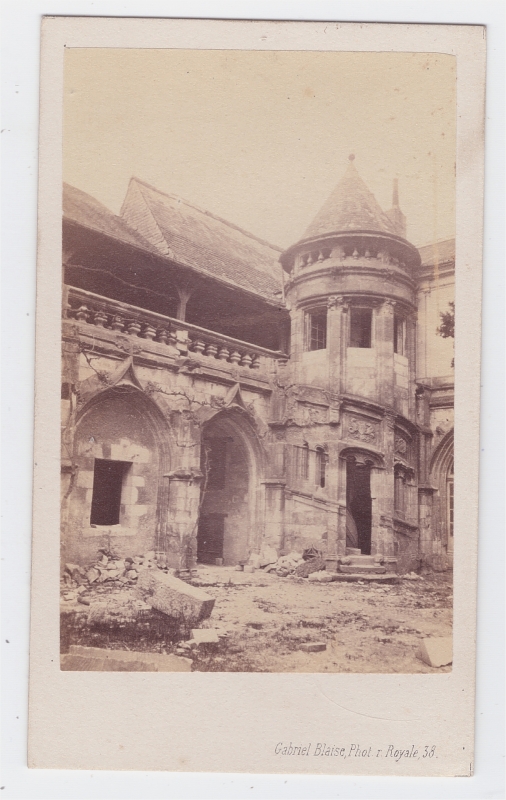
<point x="313" y="647"/>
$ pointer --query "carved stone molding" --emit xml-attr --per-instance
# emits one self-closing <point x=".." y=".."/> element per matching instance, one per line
<point x="360" y="429"/>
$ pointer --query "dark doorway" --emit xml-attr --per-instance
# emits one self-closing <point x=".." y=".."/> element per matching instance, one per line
<point x="358" y="502"/>
<point x="107" y="487"/>
<point x="210" y="538"/>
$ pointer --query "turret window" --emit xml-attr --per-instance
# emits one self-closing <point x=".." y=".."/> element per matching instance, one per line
<point x="360" y="327"/>
<point x="321" y="467"/>
<point x="399" y="335"/>
<point x="316" y="329"/>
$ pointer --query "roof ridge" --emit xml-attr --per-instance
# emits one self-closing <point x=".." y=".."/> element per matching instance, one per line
<point x="208" y="214"/>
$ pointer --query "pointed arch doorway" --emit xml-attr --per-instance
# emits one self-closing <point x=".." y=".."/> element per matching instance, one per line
<point x="227" y="528"/>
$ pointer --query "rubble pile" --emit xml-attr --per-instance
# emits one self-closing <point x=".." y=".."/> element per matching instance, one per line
<point x="108" y="569"/>
<point x="297" y="564"/>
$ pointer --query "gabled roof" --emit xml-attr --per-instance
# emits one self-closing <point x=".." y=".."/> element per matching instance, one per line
<point x="84" y="210"/>
<point x="350" y="207"/>
<point x="201" y="241"/>
<point x="441" y="252"/>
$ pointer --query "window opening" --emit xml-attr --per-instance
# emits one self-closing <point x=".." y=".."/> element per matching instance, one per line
<point x="400" y="492"/>
<point x="108" y="480"/>
<point x="399" y="336"/>
<point x="360" y="327"/>
<point x="317" y="330"/>
<point x="214" y="462"/>
<point x="321" y="467"/>
<point x="302" y="461"/>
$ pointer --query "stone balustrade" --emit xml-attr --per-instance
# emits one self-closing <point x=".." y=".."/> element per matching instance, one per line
<point x="101" y="312"/>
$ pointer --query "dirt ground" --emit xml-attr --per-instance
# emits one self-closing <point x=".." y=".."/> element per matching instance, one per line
<point x="366" y="627"/>
<point x="262" y="621"/>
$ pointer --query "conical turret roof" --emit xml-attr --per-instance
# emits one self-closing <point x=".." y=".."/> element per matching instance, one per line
<point x="350" y="207"/>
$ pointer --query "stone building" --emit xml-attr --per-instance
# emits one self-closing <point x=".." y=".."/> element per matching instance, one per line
<point x="220" y="395"/>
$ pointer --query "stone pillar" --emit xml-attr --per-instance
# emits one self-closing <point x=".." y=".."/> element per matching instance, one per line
<point x="297" y="340"/>
<point x="384" y="346"/>
<point x="425" y="521"/>
<point x="411" y="355"/>
<point x="382" y="540"/>
<point x="182" y="517"/>
<point x="334" y="343"/>
<point x="274" y="514"/>
<point x="333" y="551"/>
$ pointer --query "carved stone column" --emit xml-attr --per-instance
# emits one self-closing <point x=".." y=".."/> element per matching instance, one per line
<point x="182" y="517"/>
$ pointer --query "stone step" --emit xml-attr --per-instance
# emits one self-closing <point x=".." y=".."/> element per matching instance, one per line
<point x="361" y="560"/>
<point x="388" y="578"/>
<point x="360" y="569"/>
<point x="353" y="551"/>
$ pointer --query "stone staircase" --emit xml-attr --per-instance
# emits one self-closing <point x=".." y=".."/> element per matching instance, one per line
<point x="363" y="568"/>
<point x="363" y="565"/>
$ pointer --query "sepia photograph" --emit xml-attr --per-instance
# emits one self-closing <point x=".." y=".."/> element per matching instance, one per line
<point x="257" y="380"/>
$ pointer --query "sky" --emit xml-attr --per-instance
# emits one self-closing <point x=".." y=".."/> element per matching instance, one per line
<point x="261" y="138"/>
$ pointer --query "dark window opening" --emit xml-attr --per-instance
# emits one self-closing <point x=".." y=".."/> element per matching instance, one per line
<point x="302" y="462"/>
<point x="400" y="492"/>
<point x="317" y="330"/>
<point x="321" y="467"/>
<point x="108" y="481"/>
<point x="399" y="336"/>
<point x="214" y="460"/>
<point x="360" y="327"/>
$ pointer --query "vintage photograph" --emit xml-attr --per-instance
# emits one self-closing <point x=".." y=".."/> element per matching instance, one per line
<point x="257" y="381"/>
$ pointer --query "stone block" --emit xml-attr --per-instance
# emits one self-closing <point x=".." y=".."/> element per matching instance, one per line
<point x="254" y="561"/>
<point x="93" y="574"/>
<point x="324" y="577"/>
<point x="314" y="576"/>
<point x="249" y="568"/>
<point x="205" y="636"/>
<point x="268" y="556"/>
<point x="436" y="651"/>
<point x="85" y="479"/>
<point x="174" y="597"/>
<point x="313" y="647"/>
<point x="362" y="570"/>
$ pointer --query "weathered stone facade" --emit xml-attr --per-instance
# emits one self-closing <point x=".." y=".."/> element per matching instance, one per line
<point x="326" y="423"/>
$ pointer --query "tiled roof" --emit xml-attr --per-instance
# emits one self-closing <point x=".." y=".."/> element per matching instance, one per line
<point x="351" y="206"/>
<point x="83" y="209"/>
<point x="202" y="241"/>
<point x="440" y="252"/>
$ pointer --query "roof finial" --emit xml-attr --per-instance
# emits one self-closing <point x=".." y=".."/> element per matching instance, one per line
<point x="395" y="196"/>
<point x="351" y="157"/>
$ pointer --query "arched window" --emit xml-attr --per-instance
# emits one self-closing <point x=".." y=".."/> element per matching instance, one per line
<point x="321" y="467"/>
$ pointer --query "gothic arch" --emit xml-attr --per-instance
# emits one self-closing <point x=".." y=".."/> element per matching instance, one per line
<point x="120" y="432"/>
<point x="363" y="456"/>
<point x="441" y="468"/>
<point x="233" y="464"/>
<point x="145" y="406"/>
<point x="442" y="456"/>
